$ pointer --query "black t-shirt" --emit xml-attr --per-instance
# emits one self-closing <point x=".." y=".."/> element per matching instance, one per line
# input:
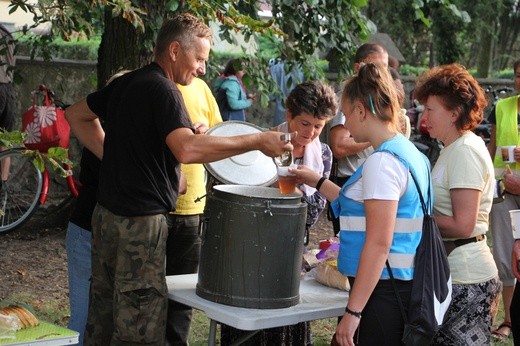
<point x="139" y="175"/>
<point x="493" y="116"/>
<point x="86" y="201"/>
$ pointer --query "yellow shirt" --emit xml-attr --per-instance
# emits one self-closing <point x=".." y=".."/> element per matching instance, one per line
<point x="202" y="107"/>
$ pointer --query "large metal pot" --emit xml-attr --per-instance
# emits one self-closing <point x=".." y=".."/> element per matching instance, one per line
<point x="252" y="245"/>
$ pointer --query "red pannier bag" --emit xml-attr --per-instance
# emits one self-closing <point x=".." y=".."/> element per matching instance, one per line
<point x="45" y="125"/>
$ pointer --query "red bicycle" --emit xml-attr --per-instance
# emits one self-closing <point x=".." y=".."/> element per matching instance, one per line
<point x="24" y="186"/>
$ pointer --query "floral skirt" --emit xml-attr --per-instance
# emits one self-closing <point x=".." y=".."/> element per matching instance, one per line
<point x="470" y="315"/>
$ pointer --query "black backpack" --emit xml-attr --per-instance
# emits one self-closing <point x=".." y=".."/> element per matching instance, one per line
<point x="431" y="290"/>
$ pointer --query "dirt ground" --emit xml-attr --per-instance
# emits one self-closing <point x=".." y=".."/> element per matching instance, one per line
<point x="34" y="259"/>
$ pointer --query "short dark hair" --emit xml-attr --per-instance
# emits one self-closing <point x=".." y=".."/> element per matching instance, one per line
<point x="232" y="67"/>
<point x="367" y="49"/>
<point x="457" y="90"/>
<point x="395" y="76"/>
<point x="183" y="27"/>
<point x="312" y="97"/>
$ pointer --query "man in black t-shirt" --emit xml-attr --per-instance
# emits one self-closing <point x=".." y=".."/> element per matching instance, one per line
<point x="147" y="134"/>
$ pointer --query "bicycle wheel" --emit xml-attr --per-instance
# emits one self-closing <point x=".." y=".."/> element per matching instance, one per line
<point x="19" y="194"/>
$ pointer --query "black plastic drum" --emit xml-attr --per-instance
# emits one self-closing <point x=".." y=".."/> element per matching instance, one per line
<point x="252" y="246"/>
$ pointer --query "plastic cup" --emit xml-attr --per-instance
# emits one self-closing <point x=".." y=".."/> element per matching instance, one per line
<point x="515" y="222"/>
<point x="286" y="180"/>
<point x="508" y="153"/>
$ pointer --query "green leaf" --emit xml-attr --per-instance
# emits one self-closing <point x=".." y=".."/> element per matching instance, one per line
<point x="13" y="8"/>
<point x="39" y="163"/>
<point x="264" y="100"/>
<point x="58" y="153"/>
<point x="10" y="139"/>
<point x="360" y="3"/>
<point x="172" y="5"/>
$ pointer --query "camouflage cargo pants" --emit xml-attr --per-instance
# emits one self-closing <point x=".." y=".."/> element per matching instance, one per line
<point x="128" y="301"/>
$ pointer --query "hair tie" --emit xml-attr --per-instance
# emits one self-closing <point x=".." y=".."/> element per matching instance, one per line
<point x="371" y="104"/>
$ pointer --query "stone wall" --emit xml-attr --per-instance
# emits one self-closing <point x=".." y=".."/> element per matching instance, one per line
<point x="69" y="79"/>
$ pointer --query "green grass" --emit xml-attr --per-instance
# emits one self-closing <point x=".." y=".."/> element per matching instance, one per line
<point x="498" y="319"/>
<point x="322" y="330"/>
<point x="49" y="310"/>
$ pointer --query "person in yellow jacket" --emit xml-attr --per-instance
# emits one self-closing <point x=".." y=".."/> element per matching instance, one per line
<point x="183" y="246"/>
<point x="504" y="119"/>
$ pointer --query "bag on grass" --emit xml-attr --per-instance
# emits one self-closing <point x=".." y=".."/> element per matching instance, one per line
<point x="431" y="289"/>
<point x="45" y="125"/>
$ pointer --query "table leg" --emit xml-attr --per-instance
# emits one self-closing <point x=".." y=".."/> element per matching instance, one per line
<point x="212" y="332"/>
<point x="244" y="338"/>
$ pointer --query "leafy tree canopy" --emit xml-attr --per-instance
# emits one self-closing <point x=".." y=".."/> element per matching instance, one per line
<point x="301" y="28"/>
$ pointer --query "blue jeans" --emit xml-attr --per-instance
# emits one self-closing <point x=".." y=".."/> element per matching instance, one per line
<point x="79" y="267"/>
<point x="182" y="257"/>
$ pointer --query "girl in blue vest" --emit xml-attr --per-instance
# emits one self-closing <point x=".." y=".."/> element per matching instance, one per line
<point x="379" y="209"/>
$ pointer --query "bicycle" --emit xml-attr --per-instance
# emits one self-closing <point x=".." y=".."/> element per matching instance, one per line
<point x="25" y="189"/>
<point x="27" y="186"/>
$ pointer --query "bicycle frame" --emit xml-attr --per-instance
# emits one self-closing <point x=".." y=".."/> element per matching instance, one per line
<point x="45" y="187"/>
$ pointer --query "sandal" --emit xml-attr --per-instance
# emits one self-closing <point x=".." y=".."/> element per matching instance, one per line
<point x="501" y="335"/>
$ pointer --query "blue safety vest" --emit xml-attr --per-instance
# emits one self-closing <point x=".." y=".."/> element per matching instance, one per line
<point x="408" y="226"/>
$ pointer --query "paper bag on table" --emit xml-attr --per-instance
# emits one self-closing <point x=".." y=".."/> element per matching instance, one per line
<point x="327" y="274"/>
<point x="9" y="324"/>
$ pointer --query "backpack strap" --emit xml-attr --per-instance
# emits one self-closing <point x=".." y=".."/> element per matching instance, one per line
<point x="425" y="208"/>
<point x="394" y="285"/>
<point x="401" y="306"/>
<point x="426" y="211"/>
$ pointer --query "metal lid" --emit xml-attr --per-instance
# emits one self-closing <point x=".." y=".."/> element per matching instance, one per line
<point x="256" y="192"/>
<point x="251" y="168"/>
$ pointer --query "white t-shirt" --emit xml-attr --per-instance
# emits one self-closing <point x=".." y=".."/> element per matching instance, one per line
<point x="384" y="177"/>
<point x="466" y="164"/>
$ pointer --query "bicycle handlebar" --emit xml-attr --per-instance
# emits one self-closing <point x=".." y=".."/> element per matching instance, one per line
<point x="503" y="90"/>
<point x="496" y="93"/>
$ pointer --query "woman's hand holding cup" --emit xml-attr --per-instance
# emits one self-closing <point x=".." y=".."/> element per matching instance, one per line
<point x="305" y="175"/>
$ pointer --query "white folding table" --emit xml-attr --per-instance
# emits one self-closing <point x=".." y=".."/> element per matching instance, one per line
<point x="316" y="302"/>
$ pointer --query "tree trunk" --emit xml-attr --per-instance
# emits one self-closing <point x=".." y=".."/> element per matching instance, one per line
<point x="507" y="37"/>
<point x="484" y="54"/>
<point x="120" y="48"/>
